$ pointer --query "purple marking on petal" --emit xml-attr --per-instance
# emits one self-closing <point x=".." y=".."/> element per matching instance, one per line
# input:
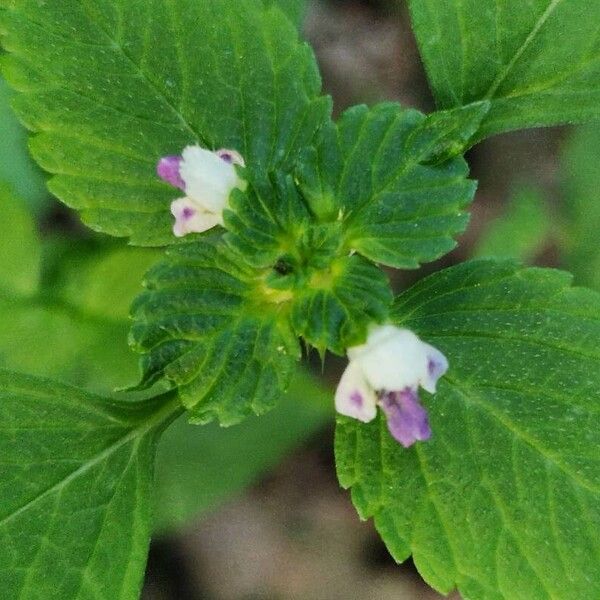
<point x="168" y="170"/>
<point x="406" y="419"/>
<point x="356" y="399"/>
<point x="231" y="157"/>
<point x="436" y="368"/>
<point x="226" y="156"/>
<point x="188" y="213"/>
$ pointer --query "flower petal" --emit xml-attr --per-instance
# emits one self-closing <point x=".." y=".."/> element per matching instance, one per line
<point x="209" y="179"/>
<point x="354" y="397"/>
<point x="392" y="358"/>
<point x="437" y="365"/>
<point x="407" y="420"/>
<point x="168" y="170"/>
<point x="231" y="156"/>
<point x="191" y="218"/>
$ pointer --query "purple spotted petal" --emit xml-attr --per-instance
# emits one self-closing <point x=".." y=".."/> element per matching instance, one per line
<point x="406" y="419"/>
<point x="168" y="170"/>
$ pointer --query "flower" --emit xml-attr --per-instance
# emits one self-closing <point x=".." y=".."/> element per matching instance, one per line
<point x="387" y="371"/>
<point x="207" y="178"/>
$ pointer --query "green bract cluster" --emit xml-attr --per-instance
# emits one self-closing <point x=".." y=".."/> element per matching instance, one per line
<point x="503" y="501"/>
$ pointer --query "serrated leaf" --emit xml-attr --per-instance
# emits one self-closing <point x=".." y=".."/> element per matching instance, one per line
<point x="332" y="297"/>
<point x="110" y="87"/>
<point x="335" y="308"/>
<point x="75" y="485"/>
<point x="16" y="166"/>
<point x="200" y="327"/>
<point x="503" y="501"/>
<point x="538" y="62"/>
<point x="19" y="247"/>
<point x="191" y="460"/>
<point x="521" y="232"/>
<point x="581" y="187"/>
<point x="370" y="173"/>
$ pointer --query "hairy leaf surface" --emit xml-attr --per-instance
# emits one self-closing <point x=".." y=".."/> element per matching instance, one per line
<point x="537" y="62"/>
<point x="200" y="327"/>
<point x="111" y="86"/>
<point x="75" y="481"/>
<point x="503" y="501"/>
<point x="379" y="173"/>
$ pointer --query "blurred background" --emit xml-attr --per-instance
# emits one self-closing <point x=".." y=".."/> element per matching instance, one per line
<point x="255" y="512"/>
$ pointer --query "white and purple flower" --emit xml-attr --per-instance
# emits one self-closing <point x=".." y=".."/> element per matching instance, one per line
<point x="207" y="178"/>
<point x="387" y="371"/>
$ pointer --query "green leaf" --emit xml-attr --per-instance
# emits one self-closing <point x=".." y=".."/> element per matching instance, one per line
<point x="19" y="249"/>
<point x="537" y="62"/>
<point x="72" y="325"/>
<point x="332" y="296"/>
<point x="294" y="9"/>
<point x="110" y="87"/>
<point x="16" y="166"/>
<point x="202" y="326"/>
<point x="521" y="232"/>
<point x="192" y="460"/>
<point x="104" y="282"/>
<point x="581" y="187"/>
<point x="503" y="501"/>
<point x="335" y="308"/>
<point x="445" y="134"/>
<point x="54" y="340"/>
<point x="75" y="483"/>
<point x="372" y="174"/>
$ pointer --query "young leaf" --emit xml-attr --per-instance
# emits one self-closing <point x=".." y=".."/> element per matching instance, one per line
<point x="200" y="326"/>
<point x="521" y="232"/>
<point x="110" y="87"/>
<point x="334" y="310"/>
<point x="19" y="247"/>
<point x="504" y="500"/>
<point x="191" y="460"/>
<point x="538" y="62"/>
<point x="333" y="296"/>
<point x="75" y="483"/>
<point x="581" y="174"/>
<point x="373" y="173"/>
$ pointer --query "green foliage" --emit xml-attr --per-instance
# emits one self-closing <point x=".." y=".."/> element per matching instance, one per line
<point x="198" y="468"/>
<point x="581" y="172"/>
<point x="19" y="247"/>
<point x="503" y="501"/>
<point x="294" y="9"/>
<point x="330" y="295"/>
<point x="521" y="232"/>
<point x="201" y="328"/>
<point x="111" y="87"/>
<point x="75" y="485"/>
<point x="334" y="310"/>
<point x="103" y="282"/>
<point x="16" y="166"/>
<point x="537" y="62"/>
<point x="373" y="174"/>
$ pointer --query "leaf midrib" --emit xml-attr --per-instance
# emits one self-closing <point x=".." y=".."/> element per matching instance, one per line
<point x="473" y="399"/>
<point x="115" y="45"/>
<point x="166" y="412"/>
<point x="490" y="95"/>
